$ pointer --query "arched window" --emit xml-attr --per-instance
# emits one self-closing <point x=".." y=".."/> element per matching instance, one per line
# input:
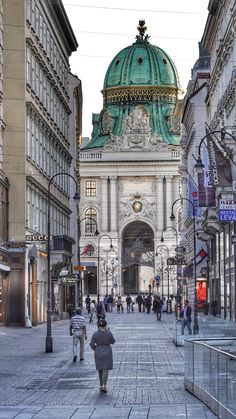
<point x="90" y="222"/>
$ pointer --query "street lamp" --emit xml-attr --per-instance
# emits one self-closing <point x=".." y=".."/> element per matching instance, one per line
<point x="49" y="342"/>
<point x="163" y="246"/>
<point x="107" y="270"/>
<point x="96" y="233"/>
<point x="172" y="218"/>
<point x="176" y="234"/>
<point x="199" y="165"/>
<point x="98" y="272"/>
<point x="162" y="274"/>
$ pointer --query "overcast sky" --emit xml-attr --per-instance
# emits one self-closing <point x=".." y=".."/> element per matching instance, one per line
<point x="105" y="27"/>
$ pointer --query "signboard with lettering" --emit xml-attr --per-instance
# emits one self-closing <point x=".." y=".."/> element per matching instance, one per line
<point x="37" y="237"/>
<point x="227" y="210"/>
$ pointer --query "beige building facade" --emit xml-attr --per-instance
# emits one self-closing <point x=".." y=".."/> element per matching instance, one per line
<point x="38" y="41"/>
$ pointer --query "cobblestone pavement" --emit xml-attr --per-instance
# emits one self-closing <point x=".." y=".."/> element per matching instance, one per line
<point x="146" y="382"/>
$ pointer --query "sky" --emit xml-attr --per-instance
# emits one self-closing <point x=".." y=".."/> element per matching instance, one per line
<point x="103" y="28"/>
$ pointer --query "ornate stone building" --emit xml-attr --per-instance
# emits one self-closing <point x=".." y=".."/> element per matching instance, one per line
<point x="209" y="106"/>
<point x="129" y="173"/>
<point x="36" y="146"/>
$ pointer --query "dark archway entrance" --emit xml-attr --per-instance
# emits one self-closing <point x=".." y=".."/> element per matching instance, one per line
<point x="137" y="258"/>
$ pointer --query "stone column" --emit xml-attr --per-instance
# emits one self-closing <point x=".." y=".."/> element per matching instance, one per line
<point x="104" y="214"/>
<point x="160" y="203"/>
<point x="113" y="203"/>
<point x="169" y="198"/>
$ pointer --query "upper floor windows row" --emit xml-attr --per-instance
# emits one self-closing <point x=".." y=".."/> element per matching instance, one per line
<point x="45" y="152"/>
<point x="38" y="214"/>
<point x="41" y="29"/>
<point x="43" y="89"/>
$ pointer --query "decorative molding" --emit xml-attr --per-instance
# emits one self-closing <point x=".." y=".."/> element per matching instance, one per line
<point x="148" y="208"/>
<point x="131" y="93"/>
<point x="137" y="135"/>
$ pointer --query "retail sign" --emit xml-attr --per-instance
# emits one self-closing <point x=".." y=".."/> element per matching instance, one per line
<point x="227" y="215"/>
<point x="37" y="237"/>
<point x="227" y="210"/>
<point x="79" y="268"/>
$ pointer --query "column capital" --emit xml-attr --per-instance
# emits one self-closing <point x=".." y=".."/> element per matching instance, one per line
<point x="104" y="178"/>
<point x="169" y="177"/>
<point x="113" y="178"/>
<point x="159" y="177"/>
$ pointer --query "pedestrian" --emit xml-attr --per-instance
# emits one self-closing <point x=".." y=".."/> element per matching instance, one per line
<point x="186" y="317"/>
<point x="88" y="303"/>
<point x="154" y="304"/>
<point x="119" y="304"/>
<point x="110" y="303"/>
<point x="139" y="301"/>
<point x="79" y="333"/>
<point x="100" y="310"/>
<point x="105" y="302"/>
<point x="101" y="344"/>
<point x="92" y="310"/>
<point x="159" y="304"/>
<point x="144" y="302"/>
<point x="128" y="303"/>
<point x="148" y="303"/>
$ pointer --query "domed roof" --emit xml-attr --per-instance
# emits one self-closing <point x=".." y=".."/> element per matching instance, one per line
<point x="141" y="64"/>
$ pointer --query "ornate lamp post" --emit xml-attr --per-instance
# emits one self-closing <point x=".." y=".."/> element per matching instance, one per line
<point x="107" y="270"/>
<point x="162" y="274"/>
<point x="96" y="233"/>
<point x="163" y="246"/>
<point x="172" y="218"/>
<point x="49" y="341"/>
<point x="98" y="273"/>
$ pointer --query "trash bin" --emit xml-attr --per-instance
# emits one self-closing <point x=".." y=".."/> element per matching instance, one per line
<point x="169" y="306"/>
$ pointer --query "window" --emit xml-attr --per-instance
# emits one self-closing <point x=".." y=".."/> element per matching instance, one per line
<point x="90" y="188"/>
<point x="90" y="221"/>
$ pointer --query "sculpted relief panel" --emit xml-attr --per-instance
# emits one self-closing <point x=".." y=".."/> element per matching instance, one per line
<point x="136" y="134"/>
<point x="146" y="208"/>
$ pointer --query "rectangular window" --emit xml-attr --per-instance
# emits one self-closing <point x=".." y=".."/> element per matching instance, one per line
<point x="28" y="67"/>
<point x="90" y="188"/>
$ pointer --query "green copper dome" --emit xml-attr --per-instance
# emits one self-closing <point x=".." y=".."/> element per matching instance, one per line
<point x="141" y="80"/>
<point x="141" y="64"/>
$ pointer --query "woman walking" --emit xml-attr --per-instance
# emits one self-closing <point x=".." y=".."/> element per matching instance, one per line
<point x="101" y="344"/>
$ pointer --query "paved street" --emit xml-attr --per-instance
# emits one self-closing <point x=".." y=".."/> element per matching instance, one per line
<point x="146" y="382"/>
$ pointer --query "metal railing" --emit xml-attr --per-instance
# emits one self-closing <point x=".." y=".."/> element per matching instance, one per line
<point x="210" y="373"/>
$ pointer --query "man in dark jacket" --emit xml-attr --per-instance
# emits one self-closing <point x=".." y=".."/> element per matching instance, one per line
<point x="139" y="301"/>
<point x="159" y="304"/>
<point x="186" y="317"/>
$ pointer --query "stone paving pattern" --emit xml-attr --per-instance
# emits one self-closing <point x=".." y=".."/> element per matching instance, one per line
<point x="146" y="382"/>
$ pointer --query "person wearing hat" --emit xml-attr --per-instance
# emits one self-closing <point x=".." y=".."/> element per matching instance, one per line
<point x="101" y="342"/>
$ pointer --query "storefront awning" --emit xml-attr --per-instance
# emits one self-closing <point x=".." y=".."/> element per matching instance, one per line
<point x="5" y="268"/>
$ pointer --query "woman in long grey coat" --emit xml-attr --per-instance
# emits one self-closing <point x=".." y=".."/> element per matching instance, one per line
<point x="101" y="344"/>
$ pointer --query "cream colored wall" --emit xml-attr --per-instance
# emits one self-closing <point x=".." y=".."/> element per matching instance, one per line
<point x="14" y="113"/>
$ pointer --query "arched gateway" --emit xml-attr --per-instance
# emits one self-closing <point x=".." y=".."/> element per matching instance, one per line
<point x="137" y="258"/>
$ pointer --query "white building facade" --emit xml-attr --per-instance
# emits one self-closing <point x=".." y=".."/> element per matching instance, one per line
<point x="129" y="176"/>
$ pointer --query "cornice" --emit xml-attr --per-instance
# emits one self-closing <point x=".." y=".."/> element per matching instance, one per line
<point x="132" y="93"/>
